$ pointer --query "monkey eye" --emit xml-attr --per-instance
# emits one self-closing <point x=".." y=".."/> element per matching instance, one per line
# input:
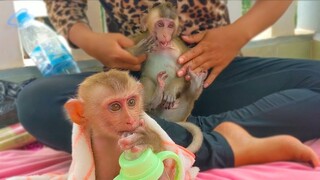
<point x="115" y="106"/>
<point x="171" y="25"/>
<point x="131" y="102"/>
<point x="160" y="24"/>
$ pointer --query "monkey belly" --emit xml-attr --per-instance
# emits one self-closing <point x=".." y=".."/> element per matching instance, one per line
<point x="159" y="62"/>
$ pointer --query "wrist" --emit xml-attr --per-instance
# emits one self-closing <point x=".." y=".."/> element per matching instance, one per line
<point x="80" y="35"/>
<point x="240" y="34"/>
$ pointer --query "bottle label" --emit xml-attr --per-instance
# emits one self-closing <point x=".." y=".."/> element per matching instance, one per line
<point x="40" y="59"/>
<point x="49" y="54"/>
<point x="55" y="51"/>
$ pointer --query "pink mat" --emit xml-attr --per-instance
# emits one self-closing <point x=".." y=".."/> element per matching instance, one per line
<point x="46" y="160"/>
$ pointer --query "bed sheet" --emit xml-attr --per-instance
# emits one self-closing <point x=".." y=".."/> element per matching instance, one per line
<point x="46" y="160"/>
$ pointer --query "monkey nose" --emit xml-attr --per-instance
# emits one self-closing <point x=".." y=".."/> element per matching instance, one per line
<point x="131" y="122"/>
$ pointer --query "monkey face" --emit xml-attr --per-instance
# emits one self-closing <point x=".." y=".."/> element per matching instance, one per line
<point x="111" y="113"/>
<point x="163" y="31"/>
<point x="121" y="113"/>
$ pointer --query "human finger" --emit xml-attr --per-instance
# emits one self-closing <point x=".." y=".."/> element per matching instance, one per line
<point x="190" y="54"/>
<point x="183" y="70"/>
<point x="128" y="58"/>
<point x="193" y="38"/>
<point x="129" y="67"/>
<point x="201" y="61"/>
<point x="124" y="41"/>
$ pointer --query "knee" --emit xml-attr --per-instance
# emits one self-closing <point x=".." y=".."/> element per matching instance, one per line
<point x="26" y="102"/>
<point x="31" y="93"/>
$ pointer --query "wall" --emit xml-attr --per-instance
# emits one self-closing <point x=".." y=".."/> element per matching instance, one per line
<point x="284" y="47"/>
<point x="11" y="51"/>
<point x="9" y="40"/>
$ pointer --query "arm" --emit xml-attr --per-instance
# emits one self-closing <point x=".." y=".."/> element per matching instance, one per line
<point x="259" y="17"/>
<point x="69" y="18"/>
<point x="216" y="48"/>
<point x="64" y="14"/>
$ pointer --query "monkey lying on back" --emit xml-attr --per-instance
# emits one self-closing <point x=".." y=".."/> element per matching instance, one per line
<point x="166" y="95"/>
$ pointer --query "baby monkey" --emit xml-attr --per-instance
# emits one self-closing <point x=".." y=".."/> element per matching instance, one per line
<point x="108" y="105"/>
<point x="165" y="94"/>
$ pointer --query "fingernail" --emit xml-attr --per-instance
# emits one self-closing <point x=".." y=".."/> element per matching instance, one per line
<point x="180" y="60"/>
<point x="180" y="73"/>
<point x="205" y="85"/>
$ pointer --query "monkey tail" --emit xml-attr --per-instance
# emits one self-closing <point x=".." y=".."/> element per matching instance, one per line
<point x="196" y="133"/>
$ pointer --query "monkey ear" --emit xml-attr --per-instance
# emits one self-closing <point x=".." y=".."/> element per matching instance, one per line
<point x="74" y="108"/>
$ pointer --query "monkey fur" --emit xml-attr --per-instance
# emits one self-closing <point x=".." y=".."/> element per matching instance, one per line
<point x="109" y="104"/>
<point x="166" y="95"/>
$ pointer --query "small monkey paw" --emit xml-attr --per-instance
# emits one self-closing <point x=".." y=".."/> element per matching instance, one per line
<point x="198" y="78"/>
<point x="132" y="141"/>
<point x="161" y="77"/>
<point x="145" y="45"/>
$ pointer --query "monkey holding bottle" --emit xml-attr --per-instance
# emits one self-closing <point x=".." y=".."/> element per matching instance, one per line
<point x="109" y="104"/>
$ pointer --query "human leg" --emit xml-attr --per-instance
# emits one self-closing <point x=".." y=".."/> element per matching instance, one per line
<point x="215" y="151"/>
<point x="40" y="109"/>
<point x="251" y="150"/>
<point x="230" y="145"/>
<point x="266" y="97"/>
<point x="293" y="112"/>
<point x="248" y="79"/>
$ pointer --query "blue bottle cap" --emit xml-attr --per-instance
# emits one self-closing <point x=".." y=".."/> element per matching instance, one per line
<point x="23" y="16"/>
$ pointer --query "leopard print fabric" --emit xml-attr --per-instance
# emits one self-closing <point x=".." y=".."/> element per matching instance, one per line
<point x="125" y="16"/>
<point x="63" y="14"/>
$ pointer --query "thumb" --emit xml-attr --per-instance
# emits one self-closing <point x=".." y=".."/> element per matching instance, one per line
<point x="124" y="41"/>
<point x="194" y="38"/>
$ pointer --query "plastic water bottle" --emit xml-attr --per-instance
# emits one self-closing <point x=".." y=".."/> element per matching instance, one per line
<point x="44" y="46"/>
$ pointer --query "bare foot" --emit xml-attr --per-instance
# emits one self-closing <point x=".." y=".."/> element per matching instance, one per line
<point x="250" y="150"/>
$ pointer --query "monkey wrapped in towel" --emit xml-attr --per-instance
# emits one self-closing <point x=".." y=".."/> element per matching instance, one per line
<point x="109" y="104"/>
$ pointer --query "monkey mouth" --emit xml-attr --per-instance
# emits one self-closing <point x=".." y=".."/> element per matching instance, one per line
<point x="129" y="130"/>
<point x="164" y="43"/>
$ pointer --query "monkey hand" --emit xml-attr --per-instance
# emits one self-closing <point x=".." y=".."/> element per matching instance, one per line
<point x="140" y="139"/>
<point x="196" y="79"/>
<point x="158" y="95"/>
<point x="132" y="142"/>
<point x="144" y="46"/>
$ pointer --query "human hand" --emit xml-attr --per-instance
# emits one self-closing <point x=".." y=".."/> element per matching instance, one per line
<point x="108" y="48"/>
<point x="215" y="50"/>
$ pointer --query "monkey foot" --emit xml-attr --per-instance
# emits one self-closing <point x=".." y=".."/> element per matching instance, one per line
<point x="169" y="100"/>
